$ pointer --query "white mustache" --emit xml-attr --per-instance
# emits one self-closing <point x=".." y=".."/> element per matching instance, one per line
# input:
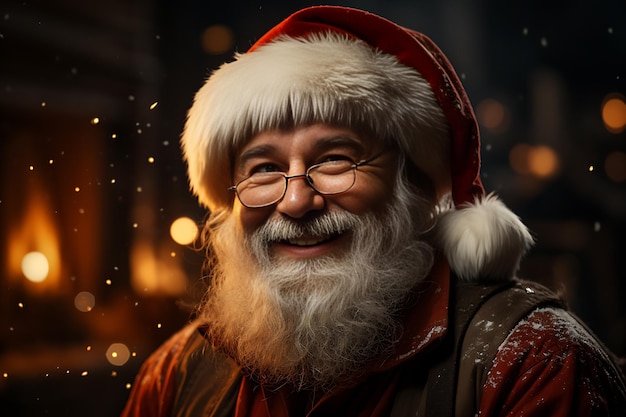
<point x="325" y="225"/>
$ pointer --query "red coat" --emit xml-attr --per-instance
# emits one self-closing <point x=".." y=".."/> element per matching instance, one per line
<point x="549" y="365"/>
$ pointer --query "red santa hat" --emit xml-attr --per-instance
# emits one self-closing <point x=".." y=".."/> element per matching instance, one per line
<point x="349" y="67"/>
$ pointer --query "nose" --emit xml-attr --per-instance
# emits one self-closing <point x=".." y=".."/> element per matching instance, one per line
<point x="300" y="198"/>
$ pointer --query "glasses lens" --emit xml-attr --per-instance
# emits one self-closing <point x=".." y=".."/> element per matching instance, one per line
<point x="332" y="177"/>
<point x="261" y="189"/>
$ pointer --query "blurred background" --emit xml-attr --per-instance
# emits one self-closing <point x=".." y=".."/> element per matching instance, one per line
<point x="97" y="224"/>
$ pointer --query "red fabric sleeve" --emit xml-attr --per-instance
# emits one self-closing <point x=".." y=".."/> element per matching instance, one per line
<point x="550" y="366"/>
<point x="153" y="391"/>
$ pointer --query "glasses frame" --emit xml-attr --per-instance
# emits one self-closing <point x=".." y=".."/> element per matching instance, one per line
<point x="306" y="175"/>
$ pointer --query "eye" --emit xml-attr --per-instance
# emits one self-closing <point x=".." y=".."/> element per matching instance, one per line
<point x="263" y="168"/>
<point x="335" y="158"/>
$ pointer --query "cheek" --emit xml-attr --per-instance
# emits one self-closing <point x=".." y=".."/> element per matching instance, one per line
<point x="250" y="219"/>
<point x="368" y="194"/>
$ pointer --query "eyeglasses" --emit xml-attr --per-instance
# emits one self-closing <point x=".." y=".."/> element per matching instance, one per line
<point x="263" y="189"/>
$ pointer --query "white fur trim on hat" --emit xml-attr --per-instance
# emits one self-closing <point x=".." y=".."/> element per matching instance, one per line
<point x="323" y="78"/>
<point x="335" y="79"/>
<point x="483" y="240"/>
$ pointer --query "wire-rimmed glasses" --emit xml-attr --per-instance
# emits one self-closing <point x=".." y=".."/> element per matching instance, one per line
<point x="263" y="189"/>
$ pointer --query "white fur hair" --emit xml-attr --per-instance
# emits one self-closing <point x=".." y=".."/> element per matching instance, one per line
<point x="326" y="77"/>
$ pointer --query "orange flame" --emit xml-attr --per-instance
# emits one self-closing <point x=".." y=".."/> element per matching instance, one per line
<point x="35" y="230"/>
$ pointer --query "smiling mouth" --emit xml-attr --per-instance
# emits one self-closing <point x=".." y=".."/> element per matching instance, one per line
<point x="310" y="240"/>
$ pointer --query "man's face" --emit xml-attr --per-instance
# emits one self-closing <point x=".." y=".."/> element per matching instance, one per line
<point x="293" y="152"/>
<point x="307" y="290"/>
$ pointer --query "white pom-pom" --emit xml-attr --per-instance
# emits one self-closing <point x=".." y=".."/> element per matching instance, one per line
<point x="483" y="240"/>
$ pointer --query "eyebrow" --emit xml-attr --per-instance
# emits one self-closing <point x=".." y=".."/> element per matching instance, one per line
<point x="322" y="144"/>
<point x="255" y="152"/>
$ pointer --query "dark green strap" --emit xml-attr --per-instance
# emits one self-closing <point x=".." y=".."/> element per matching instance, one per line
<point x="465" y="302"/>
<point x="487" y="330"/>
<point x="481" y="318"/>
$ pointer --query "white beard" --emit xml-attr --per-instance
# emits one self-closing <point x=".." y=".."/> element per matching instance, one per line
<point x="314" y="323"/>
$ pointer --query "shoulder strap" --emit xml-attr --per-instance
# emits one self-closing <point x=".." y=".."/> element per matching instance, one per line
<point x="208" y="382"/>
<point x="481" y="318"/>
<point x="429" y="384"/>
<point x="486" y="331"/>
<point x="465" y="302"/>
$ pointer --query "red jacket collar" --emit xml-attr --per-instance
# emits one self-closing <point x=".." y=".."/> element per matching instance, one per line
<point x="426" y="321"/>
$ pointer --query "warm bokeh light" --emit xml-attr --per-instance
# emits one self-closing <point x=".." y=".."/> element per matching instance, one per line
<point x="614" y="113"/>
<point x="541" y="161"/>
<point x="217" y="39"/>
<point x="184" y="230"/>
<point x="492" y="115"/>
<point x="118" y="354"/>
<point x="154" y="272"/>
<point x="518" y="158"/>
<point x="35" y="231"/>
<point x="615" y="166"/>
<point x="35" y="266"/>
<point x="84" y="301"/>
